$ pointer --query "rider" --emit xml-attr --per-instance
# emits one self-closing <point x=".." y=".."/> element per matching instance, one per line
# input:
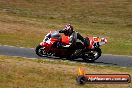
<point x="75" y="37"/>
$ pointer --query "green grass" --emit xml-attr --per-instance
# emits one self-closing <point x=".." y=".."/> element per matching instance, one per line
<point x="17" y="72"/>
<point x="25" y="22"/>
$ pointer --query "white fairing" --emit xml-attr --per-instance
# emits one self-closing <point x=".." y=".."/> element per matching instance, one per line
<point x="46" y="37"/>
<point x="103" y="41"/>
<point x="99" y="42"/>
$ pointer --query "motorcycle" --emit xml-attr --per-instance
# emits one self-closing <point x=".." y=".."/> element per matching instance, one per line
<point x="51" y="46"/>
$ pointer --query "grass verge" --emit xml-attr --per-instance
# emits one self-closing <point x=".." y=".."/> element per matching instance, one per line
<point x="17" y="72"/>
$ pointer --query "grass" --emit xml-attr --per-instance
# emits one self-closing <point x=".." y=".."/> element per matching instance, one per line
<point x="24" y="23"/>
<point x="16" y="72"/>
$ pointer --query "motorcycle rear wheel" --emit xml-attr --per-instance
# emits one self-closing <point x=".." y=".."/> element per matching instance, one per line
<point x="92" y="55"/>
<point x="40" y="51"/>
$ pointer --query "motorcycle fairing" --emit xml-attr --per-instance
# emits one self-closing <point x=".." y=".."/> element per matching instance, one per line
<point x="65" y="40"/>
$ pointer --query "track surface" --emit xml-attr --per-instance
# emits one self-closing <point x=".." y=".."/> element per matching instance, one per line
<point x="123" y="61"/>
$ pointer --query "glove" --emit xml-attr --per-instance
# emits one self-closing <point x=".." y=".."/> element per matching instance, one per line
<point x="61" y="31"/>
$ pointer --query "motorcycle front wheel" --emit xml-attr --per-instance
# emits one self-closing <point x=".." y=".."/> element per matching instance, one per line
<point x="40" y="51"/>
<point x="92" y="55"/>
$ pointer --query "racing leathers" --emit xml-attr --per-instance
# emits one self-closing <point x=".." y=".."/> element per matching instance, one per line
<point x="74" y="39"/>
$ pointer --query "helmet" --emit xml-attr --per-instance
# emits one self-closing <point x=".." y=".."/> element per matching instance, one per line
<point x="68" y="29"/>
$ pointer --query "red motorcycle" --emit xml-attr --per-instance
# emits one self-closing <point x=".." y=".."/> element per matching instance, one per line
<point x="51" y="46"/>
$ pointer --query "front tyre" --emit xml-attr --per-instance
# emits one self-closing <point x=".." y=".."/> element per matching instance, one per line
<point x="92" y="55"/>
<point x="40" y="51"/>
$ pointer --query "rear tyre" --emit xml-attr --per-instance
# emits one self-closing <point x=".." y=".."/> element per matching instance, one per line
<point x="40" y="51"/>
<point x="92" y="55"/>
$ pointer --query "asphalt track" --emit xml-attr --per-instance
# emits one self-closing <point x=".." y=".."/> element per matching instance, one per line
<point x="115" y="60"/>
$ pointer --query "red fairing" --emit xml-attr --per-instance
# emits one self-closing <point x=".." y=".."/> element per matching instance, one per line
<point x="91" y="42"/>
<point x="49" y="44"/>
<point x="65" y="40"/>
<point x="53" y="40"/>
<point x="46" y="45"/>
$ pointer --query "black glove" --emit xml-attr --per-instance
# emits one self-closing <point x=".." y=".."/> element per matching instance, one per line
<point x="61" y="31"/>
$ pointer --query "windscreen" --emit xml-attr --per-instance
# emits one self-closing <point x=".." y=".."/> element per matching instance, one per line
<point x="55" y="34"/>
